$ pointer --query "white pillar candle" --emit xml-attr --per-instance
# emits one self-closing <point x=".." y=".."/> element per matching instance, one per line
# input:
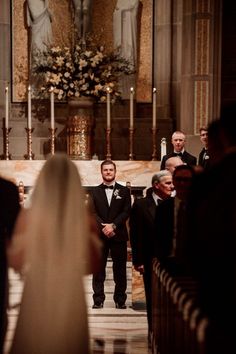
<point x="163" y="147"/>
<point x="131" y="111"/>
<point x="29" y="108"/>
<point x="154" y="108"/>
<point x="52" y="108"/>
<point x="6" y="108"/>
<point x="108" y="108"/>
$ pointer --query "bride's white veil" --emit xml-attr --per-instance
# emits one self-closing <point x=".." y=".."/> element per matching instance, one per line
<point x="53" y="314"/>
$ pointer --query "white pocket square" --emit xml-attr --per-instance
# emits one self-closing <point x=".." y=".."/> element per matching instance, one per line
<point x="118" y="197"/>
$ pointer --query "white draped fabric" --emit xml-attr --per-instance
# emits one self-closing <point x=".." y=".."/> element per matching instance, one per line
<point x="39" y="20"/>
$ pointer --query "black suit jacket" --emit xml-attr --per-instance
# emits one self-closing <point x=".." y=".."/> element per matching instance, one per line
<point x="203" y="159"/>
<point x="164" y="225"/>
<point x="142" y="231"/>
<point x="212" y="240"/>
<point x="118" y="212"/>
<point x="186" y="157"/>
<point x="9" y="208"/>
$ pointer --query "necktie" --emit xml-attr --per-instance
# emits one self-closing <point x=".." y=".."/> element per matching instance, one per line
<point x="180" y="154"/>
<point x="107" y="187"/>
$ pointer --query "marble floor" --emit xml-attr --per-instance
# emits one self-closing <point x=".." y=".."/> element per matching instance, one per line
<point x="112" y="331"/>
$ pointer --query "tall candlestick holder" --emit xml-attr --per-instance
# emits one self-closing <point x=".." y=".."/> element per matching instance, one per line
<point x="29" y="155"/>
<point x="6" y="155"/>
<point x="131" y="143"/>
<point x="52" y="140"/>
<point x="154" y="145"/>
<point x="108" y="143"/>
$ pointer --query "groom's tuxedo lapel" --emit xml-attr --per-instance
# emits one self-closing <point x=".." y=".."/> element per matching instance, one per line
<point x="103" y="196"/>
<point x="113" y="197"/>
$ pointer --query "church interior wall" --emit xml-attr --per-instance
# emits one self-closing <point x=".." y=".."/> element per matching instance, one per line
<point x="179" y="29"/>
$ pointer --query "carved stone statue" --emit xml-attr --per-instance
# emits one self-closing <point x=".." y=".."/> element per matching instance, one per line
<point x="82" y="17"/>
<point x="125" y="28"/>
<point x="125" y="36"/>
<point x="39" y="20"/>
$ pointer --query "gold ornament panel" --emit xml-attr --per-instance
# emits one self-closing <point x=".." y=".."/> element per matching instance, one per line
<point x="62" y="27"/>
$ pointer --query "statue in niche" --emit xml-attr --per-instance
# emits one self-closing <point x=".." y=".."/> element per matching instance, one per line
<point x="125" y="37"/>
<point x="82" y="17"/>
<point x="39" y="20"/>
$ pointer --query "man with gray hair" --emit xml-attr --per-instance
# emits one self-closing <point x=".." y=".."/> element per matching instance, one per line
<point x="142" y="231"/>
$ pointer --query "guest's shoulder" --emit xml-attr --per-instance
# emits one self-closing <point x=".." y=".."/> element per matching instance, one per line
<point x="189" y="155"/>
<point x="165" y="157"/>
<point x="96" y="189"/>
<point x="120" y="186"/>
<point x="7" y="185"/>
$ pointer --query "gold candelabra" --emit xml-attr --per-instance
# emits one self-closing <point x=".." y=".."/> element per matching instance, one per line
<point x="29" y="155"/>
<point x="154" y="145"/>
<point x="6" y="155"/>
<point x="131" y="143"/>
<point x="52" y="140"/>
<point x="108" y="143"/>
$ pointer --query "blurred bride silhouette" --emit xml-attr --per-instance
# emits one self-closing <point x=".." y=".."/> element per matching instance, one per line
<point x="52" y="245"/>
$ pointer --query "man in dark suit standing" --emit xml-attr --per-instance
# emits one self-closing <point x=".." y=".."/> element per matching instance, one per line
<point x="112" y="204"/>
<point x="143" y="234"/>
<point x="203" y="159"/>
<point x="178" y="141"/>
<point x="9" y="208"/>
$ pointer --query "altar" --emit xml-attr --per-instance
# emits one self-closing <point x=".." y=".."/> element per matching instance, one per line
<point x="133" y="173"/>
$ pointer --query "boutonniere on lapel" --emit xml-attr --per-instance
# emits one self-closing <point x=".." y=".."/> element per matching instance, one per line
<point x="116" y="194"/>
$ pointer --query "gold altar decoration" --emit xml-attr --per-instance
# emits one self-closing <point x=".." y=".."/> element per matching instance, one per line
<point x="79" y="128"/>
<point x="61" y="27"/>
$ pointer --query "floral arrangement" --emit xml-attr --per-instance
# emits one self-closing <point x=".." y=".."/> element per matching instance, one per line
<point x="84" y="70"/>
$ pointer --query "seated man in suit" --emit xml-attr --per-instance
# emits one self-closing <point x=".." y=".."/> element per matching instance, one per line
<point x="178" y="141"/>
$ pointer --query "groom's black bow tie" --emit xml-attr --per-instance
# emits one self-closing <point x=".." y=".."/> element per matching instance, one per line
<point x="107" y="187"/>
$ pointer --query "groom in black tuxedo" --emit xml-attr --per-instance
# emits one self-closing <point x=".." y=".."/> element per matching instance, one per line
<point x="112" y="204"/>
<point x="9" y="208"/>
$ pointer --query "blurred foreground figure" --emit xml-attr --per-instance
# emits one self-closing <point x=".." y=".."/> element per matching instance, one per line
<point x="213" y="230"/>
<point x="9" y="209"/>
<point x="53" y="250"/>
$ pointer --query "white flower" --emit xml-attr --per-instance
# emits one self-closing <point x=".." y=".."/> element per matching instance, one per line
<point x="88" y="53"/>
<point x="60" y="61"/>
<point x="82" y="63"/>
